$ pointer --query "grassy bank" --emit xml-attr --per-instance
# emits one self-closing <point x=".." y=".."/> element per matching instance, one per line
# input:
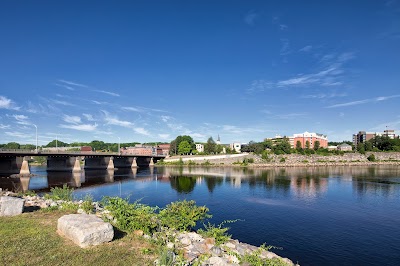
<point x="31" y="239"/>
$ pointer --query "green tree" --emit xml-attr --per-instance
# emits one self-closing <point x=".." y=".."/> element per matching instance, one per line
<point x="307" y="145"/>
<point x="58" y="142"/>
<point x="282" y="146"/>
<point x="317" y="145"/>
<point x="184" y="147"/>
<point x="12" y="145"/>
<point x="298" y="146"/>
<point x="174" y="145"/>
<point x="209" y="147"/>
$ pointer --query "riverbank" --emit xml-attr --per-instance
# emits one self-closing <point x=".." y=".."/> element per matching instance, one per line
<point x="37" y="229"/>
<point x="288" y="160"/>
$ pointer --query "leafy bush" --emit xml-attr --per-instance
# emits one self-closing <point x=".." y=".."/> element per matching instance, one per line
<point x="282" y="160"/>
<point x="64" y="193"/>
<point x="130" y="217"/>
<point x="183" y="215"/>
<point x="250" y="160"/>
<point x="254" y="258"/>
<point x="371" y="158"/>
<point x="216" y="232"/>
<point x="69" y="207"/>
<point x="87" y="204"/>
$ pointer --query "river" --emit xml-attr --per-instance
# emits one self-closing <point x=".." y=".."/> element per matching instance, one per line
<point x="318" y="216"/>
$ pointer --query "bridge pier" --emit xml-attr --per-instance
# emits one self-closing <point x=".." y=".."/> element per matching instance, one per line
<point x="77" y="166"/>
<point x="110" y="165"/>
<point x="25" y="167"/>
<point x="24" y="180"/>
<point x="151" y="162"/>
<point x="134" y="163"/>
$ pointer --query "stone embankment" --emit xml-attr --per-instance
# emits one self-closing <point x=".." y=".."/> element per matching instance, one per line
<point x="196" y="249"/>
<point x="298" y="160"/>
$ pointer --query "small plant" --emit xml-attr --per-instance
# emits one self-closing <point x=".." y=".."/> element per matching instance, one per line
<point x="64" y="193"/>
<point x="217" y="232"/>
<point x="69" y="207"/>
<point x="50" y="209"/>
<point x="166" y="257"/>
<point x="206" y="163"/>
<point x="254" y="258"/>
<point x="130" y="217"/>
<point x="371" y="158"/>
<point x="183" y="215"/>
<point x="282" y="160"/>
<point x="304" y="161"/>
<point x="250" y="160"/>
<point x="87" y="204"/>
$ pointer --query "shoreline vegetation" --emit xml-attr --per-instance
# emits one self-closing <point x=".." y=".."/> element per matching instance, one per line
<point x="287" y="160"/>
<point x="144" y="235"/>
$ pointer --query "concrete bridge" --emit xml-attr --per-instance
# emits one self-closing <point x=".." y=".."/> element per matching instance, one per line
<point x="17" y="161"/>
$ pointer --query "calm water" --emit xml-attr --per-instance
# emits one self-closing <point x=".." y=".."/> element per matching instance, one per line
<point x="319" y="216"/>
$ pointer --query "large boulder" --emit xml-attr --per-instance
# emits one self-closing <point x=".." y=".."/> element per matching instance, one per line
<point x="85" y="230"/>
<point x="11" y="206"/>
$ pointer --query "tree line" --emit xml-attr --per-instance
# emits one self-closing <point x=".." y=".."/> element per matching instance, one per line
<point x="96" y="145"/>
<point x="380" y="143"/>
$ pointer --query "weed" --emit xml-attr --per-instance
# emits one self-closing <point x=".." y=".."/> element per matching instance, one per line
<point x="217" y="232"/>
<point x="69" y="207"/>
<point x="183" y="215"/>
<point x="130" y="217"/>
<point x="282" y="160"/>
<point x="64" y="193"/>
<point x="87" y="204"/>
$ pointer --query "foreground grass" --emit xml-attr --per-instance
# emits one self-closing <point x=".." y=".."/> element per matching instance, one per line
<point x="31" y="239"/>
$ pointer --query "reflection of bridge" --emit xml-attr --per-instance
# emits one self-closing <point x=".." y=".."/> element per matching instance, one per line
<point x="16" y="161"/>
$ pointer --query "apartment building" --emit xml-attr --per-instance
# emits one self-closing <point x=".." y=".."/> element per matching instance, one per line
<point x="312" y="138"/>
<point x="363" y="136"/>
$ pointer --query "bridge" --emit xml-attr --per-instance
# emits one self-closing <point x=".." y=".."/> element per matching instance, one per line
<point x="17" y="161"/>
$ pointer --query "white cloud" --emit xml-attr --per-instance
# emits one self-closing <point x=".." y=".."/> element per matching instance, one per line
<point x="113" y="120"/>
<point x="108" y="92"/>
<point x="141" y="131"/>
<point x="6" y="103"/>
<point x="283" y="27"/>
<point x="166" y="118"/>
<point x="80" y="127"/>
<point x="65" y="86"/>
<point x="285" y="48"/>
<point x="141" y="109"/>
<point x="73" y="83"/>
<point x="62" y="103"/>
<point x="307" y="48"/>
<point x="22" y="119"/>
<point x="377" y="99"/>
<point x="250" y="18"/>
<point x="72" y="119"/>
<point x="2" y="126"/>
<point x="89" y="117"/>
<point x="164" y="136"/>
<point x="16" y="134"/>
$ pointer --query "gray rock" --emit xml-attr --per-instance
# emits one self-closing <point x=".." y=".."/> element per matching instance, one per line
<point x="85" y="230"/>
<point x="11" y="206"/>
<point x="216" y="261"/>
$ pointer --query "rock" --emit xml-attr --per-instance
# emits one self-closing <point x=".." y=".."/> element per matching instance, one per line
<point x="11" y="206"/>
<point x="216" y="261"/>
<point x="170" y="245"/>
<point x="216" y="251"/>
<point x="85" y="230"/>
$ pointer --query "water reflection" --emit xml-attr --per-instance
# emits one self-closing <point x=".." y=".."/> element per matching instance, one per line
<point x="303" y="182"/>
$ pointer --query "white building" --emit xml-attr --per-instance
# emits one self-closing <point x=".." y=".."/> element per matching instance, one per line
<point x="236" y="146"/>
<point x="200" y="147"/>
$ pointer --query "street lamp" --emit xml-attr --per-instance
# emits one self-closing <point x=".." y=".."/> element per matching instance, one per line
<point x="119" y="146"/>
<point x="36" y="138"/>
<point x="56" y="143"/>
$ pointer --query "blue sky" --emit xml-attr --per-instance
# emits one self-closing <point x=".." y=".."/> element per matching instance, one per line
<point x="152" y="70"/>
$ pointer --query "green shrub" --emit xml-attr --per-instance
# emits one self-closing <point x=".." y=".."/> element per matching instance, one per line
<point x="282" y="160"/>
<point x="166" y="257"/>
<point x="254" y="258"/>
<point x="130" y="217"/>
<point x="250" y="160"/>
<point x="216" y="232"/>
<point x="371" y="158"/>
<point x="69" y="207"/>
<point x="64" y="193"/>
<point x="87" y="204"/>
<point x="183" y="215"/>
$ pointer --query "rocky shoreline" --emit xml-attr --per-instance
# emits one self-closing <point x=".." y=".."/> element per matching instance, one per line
<point x="298" y="160"/>
<point x="196" y="249"/>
